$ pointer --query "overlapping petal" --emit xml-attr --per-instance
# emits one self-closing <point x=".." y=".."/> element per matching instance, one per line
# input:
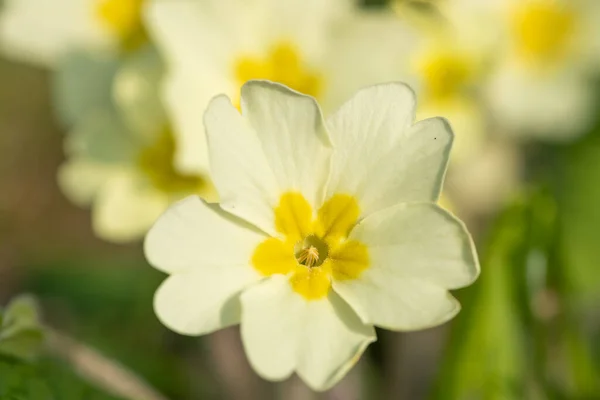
<point x="416" y="253"/>
<point x="241" y="173"/>
<point x="291" y="130"/>
<point x="282" y="333"/>
<point x="384" y="159"/>
<point x="193" y="234"/>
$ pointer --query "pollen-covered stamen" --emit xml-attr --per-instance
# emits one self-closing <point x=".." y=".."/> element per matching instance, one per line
<point x="311" y="251"/>
<point x="309" y="256"/>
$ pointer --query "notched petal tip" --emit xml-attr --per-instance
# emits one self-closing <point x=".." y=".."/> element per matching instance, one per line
<point x="469" y="250"/>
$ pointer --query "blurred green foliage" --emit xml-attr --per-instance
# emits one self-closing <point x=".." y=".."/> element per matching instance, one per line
<point x="46" y="380"/>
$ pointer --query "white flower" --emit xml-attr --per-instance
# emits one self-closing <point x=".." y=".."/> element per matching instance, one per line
<point x="215" y="46"/>
<point x="548" y="50"/>
<point x="121" y="149"/>
<point x="324" y="230"/>
<point x="42" y="31"/>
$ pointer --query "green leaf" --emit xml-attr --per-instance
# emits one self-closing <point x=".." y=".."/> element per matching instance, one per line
<point x="21" y="332"/>
<point x="579" y="202"/>
<point x="486" y="357"/>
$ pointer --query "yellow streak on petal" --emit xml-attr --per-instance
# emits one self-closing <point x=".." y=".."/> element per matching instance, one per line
<point x="349" y="260"/>
<point x="293" y="216"/>
<point x="274" y="256"/>
<point x="337" y="217"/>
<point x="311" y="283"/>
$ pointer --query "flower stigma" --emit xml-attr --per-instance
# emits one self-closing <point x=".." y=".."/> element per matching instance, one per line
<point x="312" y="251"/>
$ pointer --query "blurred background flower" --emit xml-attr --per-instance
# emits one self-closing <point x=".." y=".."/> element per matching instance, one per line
<point x="101" y="106"/>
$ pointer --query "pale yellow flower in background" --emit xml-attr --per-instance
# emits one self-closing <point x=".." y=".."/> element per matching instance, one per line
<point x="215" y="46"/>
<point x="120" y="153"/>
<point x="42" y="31"/>
<point x="548" y="52"/>
<point x="325" y="229"/>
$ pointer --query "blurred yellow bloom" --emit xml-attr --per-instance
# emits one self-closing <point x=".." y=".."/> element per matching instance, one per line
<point x="124" y="18"/>
<point x="120" y="155"/>
<point x="543" y="30"/>
<point x="325" y="229"/>
<point x="42" y="31"/>
<point x="546" y="52"/>
<point x="214" y="46"/>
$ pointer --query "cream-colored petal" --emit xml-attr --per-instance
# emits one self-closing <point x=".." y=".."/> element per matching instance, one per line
<point x="291" y="130"/>
<point x="400" y="304"/>
<point x="372" y="47"/>
<point x="203" y="300"/>
<point x="467" y="119"/>
<point x="80" y="179"/>
<point x="186" y="99"/>
<point x="240" y="170"/>
<point x="419" y="241"/>
<point x="193" y="234"/>
<point x="41" y="31"/>
<point x="126" y="207"/>
<point x="202" y="35"/>
<point x="381" y="158"/>
<point x="282" y="333"/>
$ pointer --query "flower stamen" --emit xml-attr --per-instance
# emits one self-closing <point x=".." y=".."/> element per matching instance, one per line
<point x="309" y="256"/>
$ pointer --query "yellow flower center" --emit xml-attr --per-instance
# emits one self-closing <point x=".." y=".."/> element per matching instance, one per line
<point x="123" y="18"/>
<point x="313" y="251"/>
<point x="445" y="73"/>
<point x="542" y="29"/>
<point x="157" y="163"/>
<point x="282" y="64"/>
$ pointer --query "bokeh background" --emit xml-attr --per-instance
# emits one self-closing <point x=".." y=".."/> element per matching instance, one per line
<point x="529" y="193"/>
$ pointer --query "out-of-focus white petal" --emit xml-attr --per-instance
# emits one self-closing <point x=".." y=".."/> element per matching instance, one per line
<point x="291" y="130"/>
<point x="282" y="333"/>
<point x="380" y="157"/>
<point x="552" y="105"/>
<point x="81" y="179"/>
<point x="41" y="31"/>
<point x="126" y="207"/>
<point x="372" y="47"/>
<point x="187" y="98"/>
<point x="240" y="170"/>
<point x="192" y="235"/>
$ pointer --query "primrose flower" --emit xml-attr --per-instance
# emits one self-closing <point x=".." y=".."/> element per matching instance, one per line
<point x="551" y="49"/>
<point x="120" y="155"/>
<point x="41" y="31"/>
<point x="215" y="46"/>
<point x="325" y="229"/>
